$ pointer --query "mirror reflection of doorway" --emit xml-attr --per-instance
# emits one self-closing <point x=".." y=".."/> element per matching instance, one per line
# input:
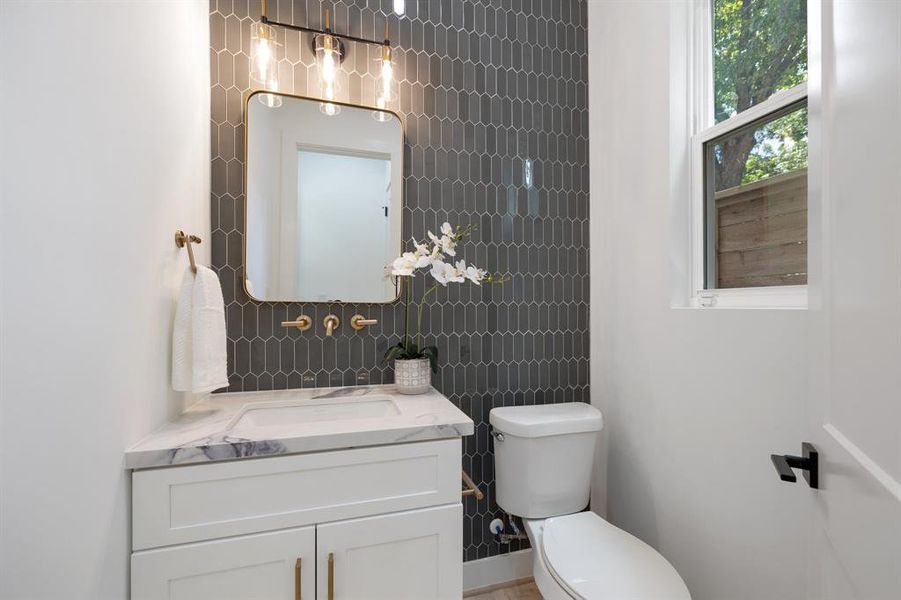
<point x="329" y="201"/>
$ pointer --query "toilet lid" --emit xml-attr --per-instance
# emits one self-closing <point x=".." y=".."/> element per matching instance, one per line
<point x="595" y="560"/>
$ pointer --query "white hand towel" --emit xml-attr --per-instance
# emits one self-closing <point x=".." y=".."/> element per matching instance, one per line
<point x="182" y="356"/>
<point x="198" y="341"/>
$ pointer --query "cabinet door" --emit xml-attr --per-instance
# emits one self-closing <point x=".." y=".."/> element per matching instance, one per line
<point x="414" y="555"/>
<point x="257" y="567"/>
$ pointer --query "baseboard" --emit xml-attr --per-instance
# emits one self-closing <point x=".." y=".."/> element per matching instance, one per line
<point x="508" y="586"/>
<point x="503" y="568"/>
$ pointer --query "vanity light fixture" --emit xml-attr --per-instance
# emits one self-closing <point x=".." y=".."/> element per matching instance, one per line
<point x="329" y="49"/>
<point x="329" y="55"/>
<point x="384" y="91"/>
<point x="263" y="64"/>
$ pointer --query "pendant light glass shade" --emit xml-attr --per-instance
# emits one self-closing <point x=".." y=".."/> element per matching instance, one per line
<point x="385" y="85"/>
<point x="263" y="63"/>
<point x="328" y="63"/>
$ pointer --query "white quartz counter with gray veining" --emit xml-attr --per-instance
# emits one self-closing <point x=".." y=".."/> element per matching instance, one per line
<point x="223" y="426"/>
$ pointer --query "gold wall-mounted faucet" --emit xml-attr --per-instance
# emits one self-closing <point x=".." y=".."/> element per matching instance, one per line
<point x="360" y="322"/>
<point x="331" y="322"/>
<point x="303" y="322"/>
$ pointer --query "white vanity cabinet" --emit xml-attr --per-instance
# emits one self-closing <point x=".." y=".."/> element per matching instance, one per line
<point x="360" y="524"/>
<point x="404" y="555"/>
<point x="280" y="564"/>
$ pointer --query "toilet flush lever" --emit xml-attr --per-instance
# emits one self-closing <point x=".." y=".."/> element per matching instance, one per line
<point x="808" y="462"/>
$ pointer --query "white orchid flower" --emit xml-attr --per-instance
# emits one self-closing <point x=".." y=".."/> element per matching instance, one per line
<point x="435" y="239"/>
<point x="404" y="265"/>
<point x="423" y="255"/>
<point x="445" y="273"/>
<point x="407" y="263"/>
<point x="445" y="243"/>
<point x="472" y="273"/>
<point x="448" y="244"/>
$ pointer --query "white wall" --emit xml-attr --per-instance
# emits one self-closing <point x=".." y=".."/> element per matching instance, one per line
<point x="104" y="153"/>
<point x="694" y="400"/>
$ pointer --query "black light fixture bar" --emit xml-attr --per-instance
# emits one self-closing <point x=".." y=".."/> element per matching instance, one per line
<point x="327" y="31"/>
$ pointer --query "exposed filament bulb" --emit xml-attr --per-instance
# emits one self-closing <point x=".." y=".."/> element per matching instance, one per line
<point x="328" y="59"/>
<point x="384" y="92"/>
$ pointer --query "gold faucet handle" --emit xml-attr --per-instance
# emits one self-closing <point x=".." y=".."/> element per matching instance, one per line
<point x="303" y="322"/>
<point x="360" y="322"/>
<point x="331" y="323"/>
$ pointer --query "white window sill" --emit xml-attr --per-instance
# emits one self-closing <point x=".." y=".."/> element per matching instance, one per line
<point x="790" y="297"/>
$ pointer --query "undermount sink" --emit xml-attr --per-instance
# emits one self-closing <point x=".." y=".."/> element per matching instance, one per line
<point x="276" y="414"/>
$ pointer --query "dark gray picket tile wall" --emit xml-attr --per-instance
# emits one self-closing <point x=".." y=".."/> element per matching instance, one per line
<point x="483" y="86"/>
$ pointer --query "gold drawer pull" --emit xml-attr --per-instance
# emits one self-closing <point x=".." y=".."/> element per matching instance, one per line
<point x="359" y="322"/>
<point x="471" y="488"/>
<point x="331" y="576"/>
<point x="302" y="322"/>
<point x="297" y="580"/>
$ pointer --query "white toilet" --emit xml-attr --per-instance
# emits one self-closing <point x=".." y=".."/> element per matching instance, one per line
<point x="543" y="461"/>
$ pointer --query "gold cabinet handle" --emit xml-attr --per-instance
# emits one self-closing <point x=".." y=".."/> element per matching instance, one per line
<point x="331" y="576"/>
<point x="303" y="322"/>
<point x="297" y="580"/>
<point x="359" y="322"/>
<point x="471" y="488"/>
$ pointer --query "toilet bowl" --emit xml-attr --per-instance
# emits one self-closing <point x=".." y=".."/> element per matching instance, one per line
<point x="584" y="557"/>
<point x="544" y="458"/>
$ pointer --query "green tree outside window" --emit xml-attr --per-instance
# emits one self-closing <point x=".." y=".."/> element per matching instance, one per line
<point x="759" y="48"/>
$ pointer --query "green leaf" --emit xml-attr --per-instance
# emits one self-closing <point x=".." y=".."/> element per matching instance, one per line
<point x="394" y="352"/>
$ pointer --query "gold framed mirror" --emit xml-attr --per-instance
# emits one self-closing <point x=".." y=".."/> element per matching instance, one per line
<point x="324" y="200"/>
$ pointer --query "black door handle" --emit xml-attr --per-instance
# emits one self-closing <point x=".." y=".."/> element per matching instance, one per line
<point x="783" y="468"/>
<point x="808" y="462"/>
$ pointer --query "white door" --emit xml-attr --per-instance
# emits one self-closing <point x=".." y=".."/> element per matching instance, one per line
<point x="267" y="566"/>
<point x="855" y="304"/>
<point x="414" y="555"/>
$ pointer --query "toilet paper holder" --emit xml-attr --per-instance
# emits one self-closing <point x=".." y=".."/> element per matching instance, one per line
<point x="471" y="488"/>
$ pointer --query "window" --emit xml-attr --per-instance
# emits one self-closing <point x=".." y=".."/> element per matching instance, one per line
<point x="750" y="154"/>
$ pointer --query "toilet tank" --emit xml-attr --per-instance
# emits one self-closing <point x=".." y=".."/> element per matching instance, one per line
<point x="543" y="457"/>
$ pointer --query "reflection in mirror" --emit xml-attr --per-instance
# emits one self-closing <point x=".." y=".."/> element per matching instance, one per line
<point x="324" y="202"/>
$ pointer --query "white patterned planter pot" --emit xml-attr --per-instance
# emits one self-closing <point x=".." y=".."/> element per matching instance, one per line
<point x="412" y="376"/>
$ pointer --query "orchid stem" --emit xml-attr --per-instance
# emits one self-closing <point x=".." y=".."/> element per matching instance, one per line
<point x="409" y="286"/>
<point x="419" y="319"/>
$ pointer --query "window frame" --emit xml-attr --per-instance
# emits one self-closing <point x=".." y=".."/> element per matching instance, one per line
<point x="705" y="129"/>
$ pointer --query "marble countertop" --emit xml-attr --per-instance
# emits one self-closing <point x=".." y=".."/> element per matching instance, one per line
<point x="218" y="428"/>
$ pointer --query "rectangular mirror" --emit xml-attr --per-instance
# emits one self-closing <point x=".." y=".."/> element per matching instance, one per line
<point x="324" y="200"/>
